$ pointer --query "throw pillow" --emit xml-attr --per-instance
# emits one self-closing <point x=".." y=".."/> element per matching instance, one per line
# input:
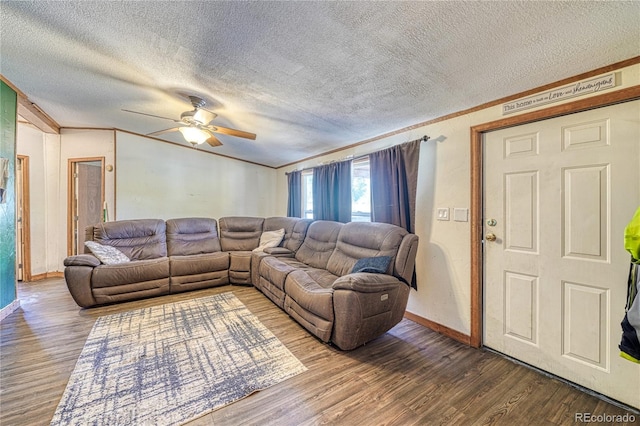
<point x="376" y="265"/>
<point x="270" y="239"/>
<point x="106" y="254"/>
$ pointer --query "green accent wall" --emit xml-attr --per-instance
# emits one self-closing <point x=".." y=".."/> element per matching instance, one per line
<point x="8" y="109"/>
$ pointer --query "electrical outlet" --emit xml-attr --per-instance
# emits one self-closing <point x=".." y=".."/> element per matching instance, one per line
<point x="443" y="213"/>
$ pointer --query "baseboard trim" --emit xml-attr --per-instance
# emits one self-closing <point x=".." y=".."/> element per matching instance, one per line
<point x="40" y="277"/>
<point x="9" y="309"/>
<point x="439" y="328"/>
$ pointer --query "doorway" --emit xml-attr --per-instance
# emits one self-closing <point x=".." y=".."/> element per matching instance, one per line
<point x="476" y="213"/>
<point x="85" y="199"/>
<point x="23" y="229"/>
<point x="558" y="194"/>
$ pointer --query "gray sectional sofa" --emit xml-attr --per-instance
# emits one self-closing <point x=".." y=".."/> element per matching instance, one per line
<point x="309" y="274"/>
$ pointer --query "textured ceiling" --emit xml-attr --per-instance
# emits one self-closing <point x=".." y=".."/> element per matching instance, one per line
<point x="306" y="77"/>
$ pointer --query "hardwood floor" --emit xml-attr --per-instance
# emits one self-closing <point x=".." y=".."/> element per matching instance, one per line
<point x="409" y="376"/>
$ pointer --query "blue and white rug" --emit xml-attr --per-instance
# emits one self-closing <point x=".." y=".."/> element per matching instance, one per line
<point x="169" y="364"/>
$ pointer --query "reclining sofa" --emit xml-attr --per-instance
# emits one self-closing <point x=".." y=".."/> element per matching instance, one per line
<point x="345" y="283"/>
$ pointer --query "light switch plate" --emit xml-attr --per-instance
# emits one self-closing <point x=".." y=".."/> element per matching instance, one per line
<point x="443" y="213"/>
<point x="461" y="215"/>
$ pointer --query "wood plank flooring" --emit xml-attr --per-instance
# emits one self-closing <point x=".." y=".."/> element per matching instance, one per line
<point x="409" y="376"/>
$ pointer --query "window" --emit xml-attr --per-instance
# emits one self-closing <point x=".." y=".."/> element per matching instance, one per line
<point x="360" y="190"/>
<point x="307" y="194"/>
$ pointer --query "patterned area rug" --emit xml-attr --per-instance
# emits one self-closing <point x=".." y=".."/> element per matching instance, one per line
<point x="169" y="364"/>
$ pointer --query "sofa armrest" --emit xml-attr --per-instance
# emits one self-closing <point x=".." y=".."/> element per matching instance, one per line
<point x="365" y="306"/>
<point x="78" y="279"/>
<point x="82" y="260"/>
<point x="279" y="252"/>
<point x="77" y="274"/>
<point x="366" y="282"/>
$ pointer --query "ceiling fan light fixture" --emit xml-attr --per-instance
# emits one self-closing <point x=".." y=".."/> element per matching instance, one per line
<point x="193" y="135"/>
<point x="195" y="125"/>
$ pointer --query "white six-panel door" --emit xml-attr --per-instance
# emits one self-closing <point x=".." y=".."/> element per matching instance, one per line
<point x="557" y="197"/>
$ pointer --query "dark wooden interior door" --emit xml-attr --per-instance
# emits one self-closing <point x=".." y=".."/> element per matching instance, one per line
<point x="88" y="203"/>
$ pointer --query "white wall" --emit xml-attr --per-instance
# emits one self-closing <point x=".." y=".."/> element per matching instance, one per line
<point x="443" y="260"/>
<point x="55" y="235"/>
<point x="43" y="151"/>
<point x="31" y="143"/>
<point x="81" y="144"/>
<point x="163" y="180"/>
<point x="154" y="180"/>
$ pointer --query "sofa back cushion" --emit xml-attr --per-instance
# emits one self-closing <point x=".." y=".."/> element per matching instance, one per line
<point x="195" y="235"/>
<point x="294" y="230"/>
<point x="138" y="239"/>
<point x="319" y="243"/>
<point x="359" y="240"/>
<point x="240" y="233"/>
<point x="406" y="259"/>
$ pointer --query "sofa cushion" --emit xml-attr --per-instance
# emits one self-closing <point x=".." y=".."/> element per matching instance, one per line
<point x="406" y="258"/>
<point x="310" y="303"/>
<point x="130" y="273"/>
<point x="295" y="230"/>
<point x="378" y="265"/>
<point x="198" y="281"/>
<point x="309" y="294"/>
<point x="198" y="263"/>
<point x="189" y="236"/>
<point x="138" y="239"/>
<point x="316" y="325"/>
<point x="275" y="270"/>
<point x="358" y="240"/>
<point x="240" y="233"/>
<point x="137" y="290"/>
<point x="270" y="239"/>
<point x="322" y="277"/>
<point x="106" y="254"/>
<point x="240" y="267"/>
<point x="319" y="243"/>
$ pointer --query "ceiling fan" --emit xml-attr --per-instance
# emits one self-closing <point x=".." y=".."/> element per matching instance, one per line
<point x="195" y="125"/>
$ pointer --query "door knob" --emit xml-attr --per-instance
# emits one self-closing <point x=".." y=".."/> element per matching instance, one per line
<point x="490" y="237"/>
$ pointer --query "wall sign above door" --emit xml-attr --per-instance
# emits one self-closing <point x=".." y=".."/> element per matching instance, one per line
<point x="579" y="88"/>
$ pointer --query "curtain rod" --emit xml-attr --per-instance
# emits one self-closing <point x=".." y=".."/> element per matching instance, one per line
<point x="422" y="139"/>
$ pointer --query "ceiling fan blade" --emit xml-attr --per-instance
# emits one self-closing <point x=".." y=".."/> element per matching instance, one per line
<point x="233" y="132"/>
<point x="151" y="115"/>
<point x="159" y="132"/>
<point x="213" y="141"/>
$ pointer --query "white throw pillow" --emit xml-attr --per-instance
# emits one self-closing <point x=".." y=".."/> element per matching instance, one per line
<point x="106" y="254"/>
<point x="270" y="239"/>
